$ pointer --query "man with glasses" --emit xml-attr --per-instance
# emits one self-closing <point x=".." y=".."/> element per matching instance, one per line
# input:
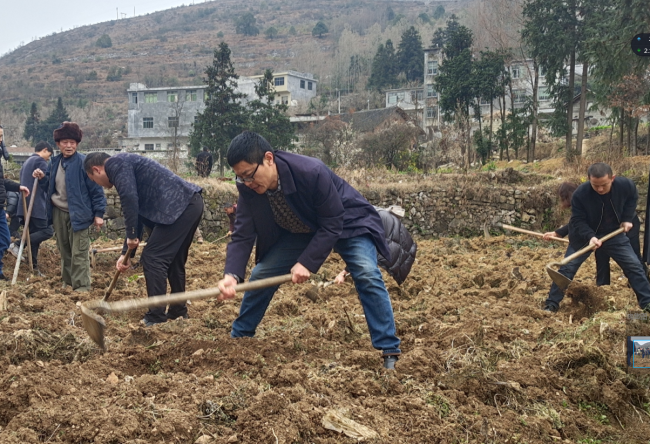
<point x="298" y="210"/>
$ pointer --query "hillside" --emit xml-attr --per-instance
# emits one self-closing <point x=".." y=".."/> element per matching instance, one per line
<point x="173" y="47"/>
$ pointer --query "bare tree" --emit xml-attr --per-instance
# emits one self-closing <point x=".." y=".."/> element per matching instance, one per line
<point x="175" y="132"/>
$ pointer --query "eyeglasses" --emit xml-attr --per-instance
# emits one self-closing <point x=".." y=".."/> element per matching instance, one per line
<point x="248" y="179"/>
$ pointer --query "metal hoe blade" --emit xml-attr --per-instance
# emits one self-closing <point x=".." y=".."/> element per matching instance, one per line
<point x="560" y="280"/>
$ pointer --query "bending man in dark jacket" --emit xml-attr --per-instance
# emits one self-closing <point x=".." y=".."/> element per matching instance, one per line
<point x="299" y="210"/>
<point x="599" y="207"/>
<point x="74" y="203"/>
<point x="5" y="185"/>
<point x="204" y="163"/>
<point x="39" y="229"/>
<point x="152" y="195"/>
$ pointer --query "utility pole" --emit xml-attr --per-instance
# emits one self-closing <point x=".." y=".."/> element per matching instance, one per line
<point x="339" y="95"/>
<point x="117" y="14"/>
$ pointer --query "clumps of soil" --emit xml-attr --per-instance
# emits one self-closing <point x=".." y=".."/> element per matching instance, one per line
<point x="585" y="300"/>
<point x="481" y="362"/>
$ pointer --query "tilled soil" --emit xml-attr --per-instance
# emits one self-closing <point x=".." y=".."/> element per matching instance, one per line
<point x="481" y="362"/>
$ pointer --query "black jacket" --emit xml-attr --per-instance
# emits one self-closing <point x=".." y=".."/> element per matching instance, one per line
<point x="401" y="245"/>
<point x="587" y="209"/>
<point x="5" y="184"/>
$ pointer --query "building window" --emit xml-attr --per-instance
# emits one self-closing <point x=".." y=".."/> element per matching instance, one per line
<point x="172" y="96"/>
<point x="150" y="97"/>
<point x="309" y="86"/>
<point x="278" y="81"/>
<point x="516" y="72"/>
<point x="157" y="146"/>
<point x="400" y="96"/>
<point x="172" y="122"/>
<point x="392" y="98"/>
<point x="285" y="100"/>
<point x="432" y="68"/>
<point x="147" y="122"/>
<point x="134" y="97"/>
<point x="170" y="146"/>
<point x="302" y="84"/>
<point x="416" y="95"/>
<point x="484" y="101"/>
<point x="148" y="146"/>
<point x="431" y="92"/>
<point x="542" y="94"/>
<point x="190" y="95"/>
<point x="432" y="112"/>
<point x="519" y="95"/>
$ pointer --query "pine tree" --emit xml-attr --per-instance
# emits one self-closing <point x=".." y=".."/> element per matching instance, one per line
<point x="246" y="25"/>
<point x="410" y="55"/>
<point x="223" y="117"/>
<point x="32" y="123"/>
<point x="383" y="74"/>
<point x="319" y="30"/>
<point x="45" y="130"/>
<point x="268" y="118"/>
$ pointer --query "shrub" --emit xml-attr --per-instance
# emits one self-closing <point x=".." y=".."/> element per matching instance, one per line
<point x="104" y="41"/>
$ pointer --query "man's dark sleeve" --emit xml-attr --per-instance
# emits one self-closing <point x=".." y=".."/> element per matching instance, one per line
<point x="629" y="209"/>
<point x="124" y="181"/>
<point x="579" y="218"/>
<point x="5" y="152"/>
<point x="562" y="231"/>
<point x="44" y="182"/>
<point x="10" y="185"/>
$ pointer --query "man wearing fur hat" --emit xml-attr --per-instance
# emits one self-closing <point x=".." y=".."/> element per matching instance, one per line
<point x="74" y="204"/>
<point x="5" y="185"/>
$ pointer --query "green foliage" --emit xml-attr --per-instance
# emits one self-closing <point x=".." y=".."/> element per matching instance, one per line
<point x="32" y="122"/>
<point x="424" y="17"/>
<point x="268" y="118"/>
<point x="114" y="74"/>
<point x="319" y="30"/>
<point x="384" y="68"/>
<point x="104" y="41"/>
<point x="483" y="145"/>
<point x="439" y="12"/>
<point x="440" y="404"/>
<point x="36" y="130"/>
<point x="292" y="31"/>
<point x="410" y="55"/>
<point x="246" y="25"/>
<point x="390" y="14"/>
<point x="271" y="33"/>
<point x="92" y="75"/>
<point x="223" y="117"/>
<point x="220" y="34"/>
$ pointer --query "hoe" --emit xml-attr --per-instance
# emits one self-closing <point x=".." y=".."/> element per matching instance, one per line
<point x="521" y="230"/>
<point x="95" y="324"/>
<point x="561" y="280"/>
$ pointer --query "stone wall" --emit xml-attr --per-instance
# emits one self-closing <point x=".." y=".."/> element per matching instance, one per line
<point x="459" y="206"/>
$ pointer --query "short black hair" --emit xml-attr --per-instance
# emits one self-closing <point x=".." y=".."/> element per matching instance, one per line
<point x="43" y="145"/>
<point x="95" y="159"/>
<point x="598" y="170"/>
<point x="249" y="147"/>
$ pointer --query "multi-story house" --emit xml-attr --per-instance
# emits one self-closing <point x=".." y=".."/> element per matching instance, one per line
<point x="160" y="119"/>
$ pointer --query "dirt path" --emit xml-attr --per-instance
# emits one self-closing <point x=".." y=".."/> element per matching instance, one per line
<point x="481" y="363"/>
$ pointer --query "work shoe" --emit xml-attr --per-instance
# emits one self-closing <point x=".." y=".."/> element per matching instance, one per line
<point x="389" y="362"/>
<point x="551" y="308"/>
<point x="3" y="277"/>
<point x="13" y="249"/>
<point x="148" y="323"/>
<point x="38" y="273"/>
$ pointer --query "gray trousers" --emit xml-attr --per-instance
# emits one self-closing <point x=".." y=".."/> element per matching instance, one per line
<point x="73" y="247"/>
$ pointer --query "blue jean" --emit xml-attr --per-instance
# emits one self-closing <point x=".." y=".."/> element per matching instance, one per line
<point x="619" y="249"/>
<point x="5" y="237"/>
<point x="360" y="256"/>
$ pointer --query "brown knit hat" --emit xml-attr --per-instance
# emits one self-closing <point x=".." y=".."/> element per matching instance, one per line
<point x="68" y="130"/>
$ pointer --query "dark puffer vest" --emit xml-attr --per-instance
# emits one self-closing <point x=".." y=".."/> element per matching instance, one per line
<point x="401" y="245"/>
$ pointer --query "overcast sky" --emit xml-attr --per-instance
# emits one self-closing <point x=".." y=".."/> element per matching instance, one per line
<point x="22" y="20"/>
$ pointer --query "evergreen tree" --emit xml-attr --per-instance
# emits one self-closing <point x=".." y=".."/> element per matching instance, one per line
<point x="454" y="82"/>
<point x="271" y="32"/>
<point x="384" y="72"/>
<point x="441" y="35"/>
<point x="223" y="117"/>
<point x="390" y="14"/>
<point x="45" y="130"/>
<point x="246" y="25"/>
<point x="268" y="118"/>
<point x="32" y="123"/>
<point x="439" y="12"/>
<point x="410" y="55"/>
<point x="319" y="30"/>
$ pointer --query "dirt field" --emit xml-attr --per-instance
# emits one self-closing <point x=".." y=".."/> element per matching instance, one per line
<point x="481" y="362"/>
